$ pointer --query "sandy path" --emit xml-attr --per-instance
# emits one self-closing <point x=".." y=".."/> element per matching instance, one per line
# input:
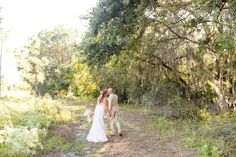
<point x="136" y="140"/>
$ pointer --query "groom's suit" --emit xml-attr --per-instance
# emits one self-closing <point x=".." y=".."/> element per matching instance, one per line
<point x="113" y="107"/>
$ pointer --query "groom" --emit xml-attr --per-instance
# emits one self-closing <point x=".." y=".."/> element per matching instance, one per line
<point x="114" y="110"/>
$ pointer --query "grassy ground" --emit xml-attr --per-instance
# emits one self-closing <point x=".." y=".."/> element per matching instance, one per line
<point x="138" y="139"/>
<point x="209" y="135"/>
<point x="38" y="127"/>
<point x="58" y="128"/>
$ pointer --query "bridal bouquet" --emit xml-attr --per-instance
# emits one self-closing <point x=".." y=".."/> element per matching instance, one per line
<point x="89" y="114"/>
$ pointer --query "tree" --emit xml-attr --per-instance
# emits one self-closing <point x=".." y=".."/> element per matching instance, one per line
<point x="188" y="45"/>
<point x="47" y="62"/>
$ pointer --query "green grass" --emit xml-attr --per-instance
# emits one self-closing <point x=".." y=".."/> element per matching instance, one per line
<point x="135" y="108"/>
<point x="50" y="123"/>
<point x="163" y="126"/>
<point x="57" y="143"/>
<point x="25" y="125"/>
<point x="78" y="146"/>
<point x="213" y="136"/>
<point x="62" y="139"/>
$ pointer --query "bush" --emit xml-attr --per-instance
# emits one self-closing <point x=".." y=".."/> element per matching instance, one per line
<point x="203" y="146"/>
<point x="182" y="108"/>
<point x="24" y="125"/>
<point x="205" y="116"/>
<point x="213" y="135"/>
<point x="34" y="119"/>
<point x="19" y="141"/>
<point x="48" y="107"/>
<point x="53" y="110"/>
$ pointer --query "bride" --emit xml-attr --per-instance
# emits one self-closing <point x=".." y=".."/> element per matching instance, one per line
<point x="97" y="131"/>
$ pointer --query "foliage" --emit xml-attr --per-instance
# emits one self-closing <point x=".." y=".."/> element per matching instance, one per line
<point x="19" y="141"/>
<point x="110" y="18"/>
<point x="48" y="63"/>
<point x="24" y="124"/>
<point x="189" y="45"/>
<point x="204" y="148"/>
<point x="211" y="136"/>
<point x="182" y="108"/>
<point x="161" y="124"/>
<point x="83" y="84"/>
<point x="57" y="143"/>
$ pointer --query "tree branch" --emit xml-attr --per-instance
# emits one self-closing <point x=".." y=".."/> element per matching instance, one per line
<point x="162" y="63"/>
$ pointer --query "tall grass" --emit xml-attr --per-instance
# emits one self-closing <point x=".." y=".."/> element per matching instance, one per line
<point x="211" y="135"/>
<point x="24" y="124"/>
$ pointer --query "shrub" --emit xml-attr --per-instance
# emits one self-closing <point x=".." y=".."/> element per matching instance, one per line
<point x="205" y="116"/>
<point x="204" y="146"/>
<point x="53" y="109"/>
<point x="48" y="107"/>
<point x="209" y="150"/>
<point x="19" y="141"/>
<point x="34" y="119"/>
<point x="182" y="108"/>
<point x="24" y="126"/>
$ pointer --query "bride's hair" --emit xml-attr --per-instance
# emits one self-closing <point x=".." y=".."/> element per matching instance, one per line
<point x="102" y="95"/>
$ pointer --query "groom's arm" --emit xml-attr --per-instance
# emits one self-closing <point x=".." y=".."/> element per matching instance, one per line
<point x="106" y="108"/>
<point x="109" y="104"/>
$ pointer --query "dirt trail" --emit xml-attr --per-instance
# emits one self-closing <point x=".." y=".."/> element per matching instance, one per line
<point x="137" y="141"/>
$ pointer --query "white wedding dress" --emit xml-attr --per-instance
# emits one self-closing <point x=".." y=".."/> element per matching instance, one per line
<point x="97" y="130"/>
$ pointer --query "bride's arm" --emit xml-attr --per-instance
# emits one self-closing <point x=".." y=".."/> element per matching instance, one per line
<point x="106" y="107"/>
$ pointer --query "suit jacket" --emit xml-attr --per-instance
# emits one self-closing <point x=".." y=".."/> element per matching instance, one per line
<point x="113" y="102"/>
